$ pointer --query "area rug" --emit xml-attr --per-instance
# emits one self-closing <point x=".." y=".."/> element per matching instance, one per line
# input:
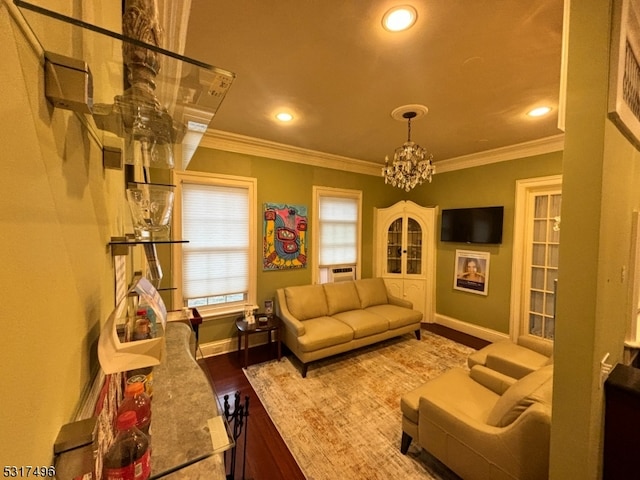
<point x="344" y="421"/>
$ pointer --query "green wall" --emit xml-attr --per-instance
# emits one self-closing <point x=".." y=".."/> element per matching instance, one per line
<point x="601" y="189"/>
<point x="488" y="185"/>
<point x="287" y="182"/>
<point x="57" y="212"/>
<point x="291" y="183"/>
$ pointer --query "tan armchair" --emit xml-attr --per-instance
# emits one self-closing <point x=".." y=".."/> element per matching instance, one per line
<point x="514" y="359"/>
<point x="482" y="424"/>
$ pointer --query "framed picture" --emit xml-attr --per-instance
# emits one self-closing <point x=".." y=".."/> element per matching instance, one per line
<point x="624" y="76"/>
<point x="285" y="243"/>
<point x="471" y="272"/>
<point x="268" y="307"/>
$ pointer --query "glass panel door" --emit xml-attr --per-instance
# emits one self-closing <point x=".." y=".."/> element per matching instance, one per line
<point x="544" y="264"/>
<point x="394" y="247"/>
<point x="414" y="247"/>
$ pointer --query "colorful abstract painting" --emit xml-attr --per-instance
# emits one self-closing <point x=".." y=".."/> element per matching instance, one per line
<point x="285" y="237"/>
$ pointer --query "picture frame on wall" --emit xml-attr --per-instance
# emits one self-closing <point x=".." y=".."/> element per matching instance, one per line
<point x="624" y="76"/>
<point x="471" y="272"/>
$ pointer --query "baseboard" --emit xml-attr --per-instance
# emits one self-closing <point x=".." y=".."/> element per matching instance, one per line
<point x="470" y="329"/>
<point x="228" y="345"/>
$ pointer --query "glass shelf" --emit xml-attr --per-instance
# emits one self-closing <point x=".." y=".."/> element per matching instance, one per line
<point x="188" y="92"/>
<point x="133" y="241"/>
<point x="120" y="245"/>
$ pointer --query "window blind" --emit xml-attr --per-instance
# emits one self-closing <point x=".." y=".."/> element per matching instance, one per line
<point x="338" y="225"/>
<point x="215" y="219"/>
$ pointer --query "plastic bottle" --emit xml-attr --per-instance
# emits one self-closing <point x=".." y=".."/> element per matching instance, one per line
<point x="142" y="325"/>
<point x="144" y="376"/>
<point x="129" y="458"/>
<point x="137" y="400"/>
<point x="151" y="315"/>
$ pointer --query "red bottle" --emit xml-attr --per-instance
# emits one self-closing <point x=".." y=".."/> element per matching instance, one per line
<point x="129" y="458"/>
<point x="137" y="400"/>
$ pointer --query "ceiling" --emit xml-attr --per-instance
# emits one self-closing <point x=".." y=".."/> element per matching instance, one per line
<point x="478" y="65"/>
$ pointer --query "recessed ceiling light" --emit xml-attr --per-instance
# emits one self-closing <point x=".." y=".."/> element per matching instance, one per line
<point x="284" y="116"/>
<point x="538" y="112"/>
<point x="399" y="18"/>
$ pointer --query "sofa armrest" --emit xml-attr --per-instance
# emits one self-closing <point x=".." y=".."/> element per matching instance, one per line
<point x="290" y="322"/>
<point x="400" y="302"/>
<point x="491" y="379"/>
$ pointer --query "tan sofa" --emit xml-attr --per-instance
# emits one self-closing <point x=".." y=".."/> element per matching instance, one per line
<point x="324" y="320"/>
<point x="482" y="424"/>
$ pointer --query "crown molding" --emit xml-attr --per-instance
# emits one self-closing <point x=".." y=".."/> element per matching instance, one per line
<point x="541" y="146"/>
<point x="232" y="142"/>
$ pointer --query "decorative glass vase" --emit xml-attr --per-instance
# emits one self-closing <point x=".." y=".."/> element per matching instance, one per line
<point x="151" y="207"/>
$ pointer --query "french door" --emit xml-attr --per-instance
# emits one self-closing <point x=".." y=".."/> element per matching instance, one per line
<point x="536" y="247"/>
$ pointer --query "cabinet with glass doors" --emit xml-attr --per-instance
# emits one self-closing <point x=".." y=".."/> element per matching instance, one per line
<point x="405" y="251"/>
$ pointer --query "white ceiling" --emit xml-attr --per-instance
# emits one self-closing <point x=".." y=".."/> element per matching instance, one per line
<point x="478" y="65"/>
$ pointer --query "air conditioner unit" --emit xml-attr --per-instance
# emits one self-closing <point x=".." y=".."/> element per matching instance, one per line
<point x="342" y="274"/>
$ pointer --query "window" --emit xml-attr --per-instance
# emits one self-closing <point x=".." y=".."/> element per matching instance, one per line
<point x="535" y="259"/>
<point x="336" y="230"/>
<point x="216" y="268"/>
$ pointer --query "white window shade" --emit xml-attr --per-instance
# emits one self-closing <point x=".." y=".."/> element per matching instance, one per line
<point x="216" y="222"/>
<point x="338" y="236"/>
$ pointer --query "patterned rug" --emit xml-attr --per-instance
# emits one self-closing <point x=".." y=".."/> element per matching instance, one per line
<point x="343" y="421"/>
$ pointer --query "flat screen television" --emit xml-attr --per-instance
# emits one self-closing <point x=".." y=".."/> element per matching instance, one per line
<point x="472" y="225"/>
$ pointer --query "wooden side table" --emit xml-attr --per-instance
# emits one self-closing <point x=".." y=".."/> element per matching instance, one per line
<point x="245" y="330"/>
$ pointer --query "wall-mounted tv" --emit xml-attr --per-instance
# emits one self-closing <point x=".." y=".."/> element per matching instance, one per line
<point x="472" y="225"/>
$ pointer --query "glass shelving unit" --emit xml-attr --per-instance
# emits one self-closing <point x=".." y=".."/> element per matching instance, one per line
<point x="411" y="248"/>
<point x="188" y="91"/>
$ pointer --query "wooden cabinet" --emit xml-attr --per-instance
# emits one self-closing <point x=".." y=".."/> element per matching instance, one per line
<point x="404" y="253"/>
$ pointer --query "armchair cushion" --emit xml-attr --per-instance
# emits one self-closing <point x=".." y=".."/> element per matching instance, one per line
<point x="535" y="387"/>
<point x="494" y="381"/>
<point x="514" y="359"/>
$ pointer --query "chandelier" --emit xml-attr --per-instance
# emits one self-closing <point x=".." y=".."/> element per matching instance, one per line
<point x="412" y="164"/>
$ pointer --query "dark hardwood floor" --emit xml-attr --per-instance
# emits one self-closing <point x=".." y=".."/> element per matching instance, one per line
<point x="268" y="457"/>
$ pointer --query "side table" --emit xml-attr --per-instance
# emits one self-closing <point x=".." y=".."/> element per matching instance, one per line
<point x="245" y="330"/>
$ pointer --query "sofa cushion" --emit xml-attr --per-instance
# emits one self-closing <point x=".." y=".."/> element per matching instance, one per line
<point x="363" y="323"/>
<point x="341" y="297"/>
<point x="306" y="301"/>
<point x="323" y="332"/>
<point x="535" y="387"/>
<point x="397" y="317"/>
<point x="372" y="291"/>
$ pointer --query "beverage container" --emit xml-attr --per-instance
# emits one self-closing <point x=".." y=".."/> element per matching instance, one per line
<point x="137" y="400"/>
<point x="144" y="376"/>
<point x="141" y="325"/>
<point x="129" y="458"/>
